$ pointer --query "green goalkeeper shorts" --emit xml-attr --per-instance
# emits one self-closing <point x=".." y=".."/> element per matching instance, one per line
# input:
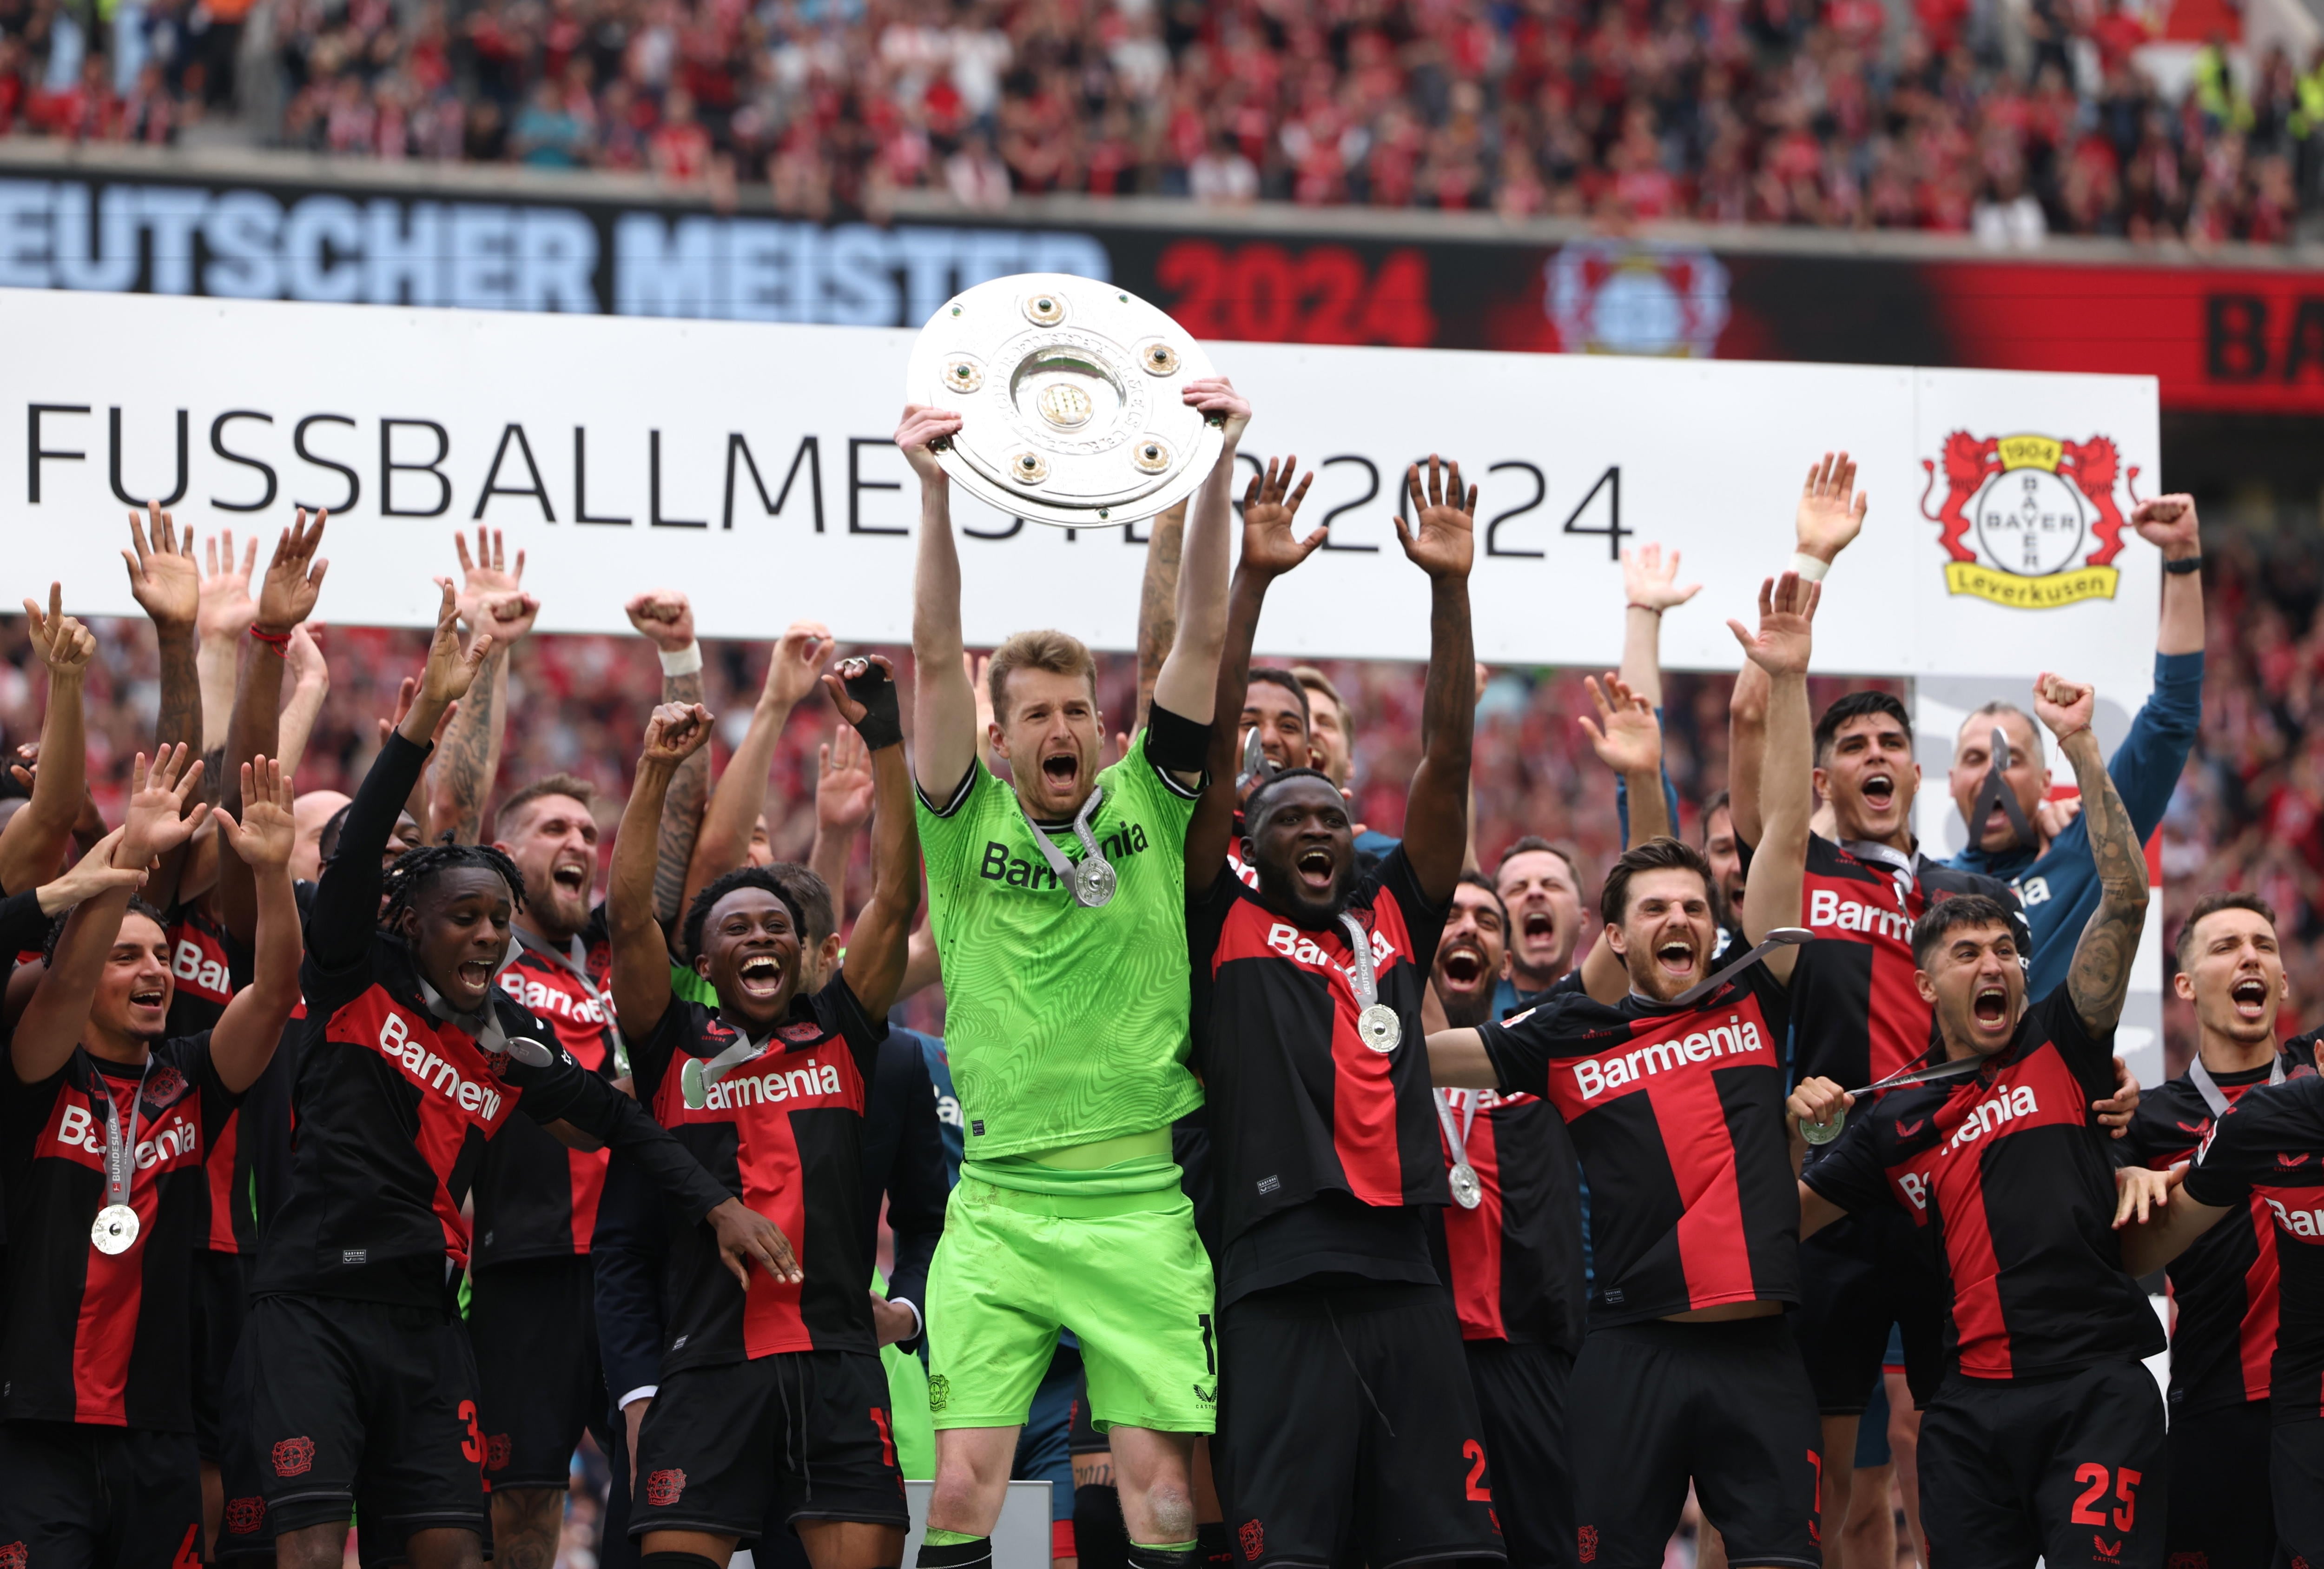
<point x="1125" y="1272"/>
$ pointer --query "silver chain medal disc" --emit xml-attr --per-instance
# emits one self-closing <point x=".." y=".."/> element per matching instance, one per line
<point x="1825" y="1132"/>
<point x="1467" y="1191"/>
<point x="117" y="1225"/>
<point x="115" y="1231"/>
<point x="1069" y="392"/>
<point x="1377" y="1025"/>
<point x="1091" y="882"/>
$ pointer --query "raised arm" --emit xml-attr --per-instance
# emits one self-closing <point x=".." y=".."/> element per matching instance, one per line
<point x="665" y="617"/>
<point x="242" y="1041"/>
<point x="943" y="709"/>
<point x="641" y="955"/>
<point x="164" y="810"/>
<point x="2169" y="523"/>
<point x="864" y="692"/>
<point x="2099" y="977"/>
<point x="741" y="794"/>
<point x="1158" y="604"/>
<point x="1443" y="544"/>
<point x="286" y="598"/>
<point x="1629" y="739"/>
<point x="311" y="684"/>
<point x="491" y="601"/>
<point x="845" y="792"/>
<point x="1187" y="683"/>
<point x="227" y="612"/>
<point x="1781" y="648"/>
<point x="33" y="844"/>
<point x="167" y="586"/>
<point x="1650" y="586"/>
<point x="1269" y="550"/>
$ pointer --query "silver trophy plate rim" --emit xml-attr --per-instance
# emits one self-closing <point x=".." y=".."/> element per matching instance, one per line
<point x="1016" y="337"/>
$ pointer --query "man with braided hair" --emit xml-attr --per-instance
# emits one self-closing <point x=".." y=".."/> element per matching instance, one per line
<point x="414" y="1060"/>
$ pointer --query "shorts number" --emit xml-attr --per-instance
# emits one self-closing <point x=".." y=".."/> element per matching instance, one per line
<point x="189" y="1551"/>
<point x="887" y="1438"/>
<point x="2095" y="1479"/>
<point x="1474" y="1452"/>
<point x="472" y="1448"/>
<point x="1210" y="1352"/>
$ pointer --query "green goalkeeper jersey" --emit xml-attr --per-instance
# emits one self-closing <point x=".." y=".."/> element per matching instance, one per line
<point x="1065" y="1025"/>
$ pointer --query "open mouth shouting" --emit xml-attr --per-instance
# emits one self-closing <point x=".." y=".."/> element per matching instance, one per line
<point x="1989" y="1007"/>
<point x="760" y="977"/>
<point x="1061" y="770"/>
<point x="1879" y="791"/>
<point x="1461" y="967"/>
<point x="2249" y="996"/>
<point x="475" y="975"/>
<point x="1316" y="872"/>
<point x="1676" y="957"/>
<point x="1539" y="925"/>
<point x="571" y="875"/>
<point x="149" y="996"/>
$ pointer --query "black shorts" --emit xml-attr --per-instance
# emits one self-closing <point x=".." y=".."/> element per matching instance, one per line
<point x="1859" y="1277"/>
<point x="1521" y="1407"/>
<point x="2069" y="1470"/>
<point x="344" y="1403"/>
<point x="2296" y="1467"/>
<point x="1726" y="1405"/>
<point x="1347" y="1429"/>
<point x="798" y="1435"/>
<point x="2222" y="1516"/>
<point x="77" y="1496"/>
<point x="534" y="1327"/>
<point x="221" y="1305"/>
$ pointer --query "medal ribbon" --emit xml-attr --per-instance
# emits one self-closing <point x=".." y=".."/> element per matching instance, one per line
<point x="120" y="1152"/>
<point x="1456" y="1134"/>
<point x="572" y="962"/>
<point x="1056" y="858"/>
<point x="2208" y="1087"/>
<point x="1361" y="984"/>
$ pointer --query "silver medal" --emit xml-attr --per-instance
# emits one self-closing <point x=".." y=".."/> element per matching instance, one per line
<point x="529" y="1052"/>
<point x="1467" y="1191"/>
<point x="1068" y="391"/>
<point x="1378" y="1027"/>
<point x="1825" y="1132"/>
<point x="1093" y="884"/>
<point x="692" y="1087"/>
<point x="115" y="1231"/>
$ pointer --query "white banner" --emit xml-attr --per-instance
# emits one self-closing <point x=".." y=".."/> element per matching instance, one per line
<point x="749" y="464"/>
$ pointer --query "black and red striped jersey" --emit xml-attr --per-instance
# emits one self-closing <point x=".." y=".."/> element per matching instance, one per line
<point x="1301" y="1107"/>
<point x="1515" y="1261"/>
<point x="2010" y="1185"/>
<point x="2269" y="1149"/>
<point x="784" y="1133"/>
<point x="207" y="967"/>
<point x="89" y="1336"/>
<point x="2224" y="1284"/>
<point x="1678" y="1117"/>
<point x="1856" y="1014"/>
<point x="537" y="1198"/>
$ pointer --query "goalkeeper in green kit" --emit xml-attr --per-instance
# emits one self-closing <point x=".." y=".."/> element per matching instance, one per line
<point x="1059" y="909"/>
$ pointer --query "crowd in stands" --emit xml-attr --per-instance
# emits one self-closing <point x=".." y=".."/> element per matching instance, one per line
<point x="1833" y="113"/>
<point x="2249" y="812"/>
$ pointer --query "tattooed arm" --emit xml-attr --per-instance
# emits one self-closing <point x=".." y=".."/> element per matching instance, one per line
<point x="491" y="599"/>
<point x="1158" y="605"/>
<point x="2100" y="975"/>
<point x="666" y="617"/>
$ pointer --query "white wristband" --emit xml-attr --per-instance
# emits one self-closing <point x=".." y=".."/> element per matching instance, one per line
<point x="685" y="662"/>
<point x="1810" y="567"/>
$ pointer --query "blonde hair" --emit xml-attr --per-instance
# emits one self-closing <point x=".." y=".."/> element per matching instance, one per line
<point x="1057" y="652"/>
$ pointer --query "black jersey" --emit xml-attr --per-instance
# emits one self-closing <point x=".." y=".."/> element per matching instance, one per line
<point x="1856" y="1014"/>
<point x="1301" y="1106"/>
<point x="2270" y="1149"/>
<point x="207" y="965"/>
<point x="1678" y="1118"/>
<point x="2011" y="1184"/>
<point x="784" y="1133"/>
<point x="394" y="1107"/>
<point x="89" y="1336"/>
<point x="537" y="1198"/>
<point x="1515" y="1261"/>
<point x="2223" y="1339"/>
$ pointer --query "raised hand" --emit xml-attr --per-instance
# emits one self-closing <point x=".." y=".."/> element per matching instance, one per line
<point x="1831" y="509"/>
<point x="157" y="821"/>
<point x="1445" y="542"/>
<point x="664" y="615"/>
<point x="1215" y="396"/>
<point x="2064" y="707"/>
<point x="294" y="577"/>
<point x="922" y="436"/>
<point x="2168" y="523"/>
<point x="843" y="783"/>
<point x="835" y="682"/>
<point x="64" y="645"/>
<point x="92" y="874"/>
<point x="264" y="836"/>
<point x="1626" y="736"/>
<point x="1651" y="582"/>
<point x="450" y="670"/>
<point x="1268" y="545"/>
<point x="676" y="732"/>
<point x="798" y="659"/>
<point x="1787" y="616"/>
<point x="493" y="597"/>
<point x="226" y="607"/>
<point x="1817" y="1100"/>
<point x="162" y="577"/>
<point x="308" y="666"/>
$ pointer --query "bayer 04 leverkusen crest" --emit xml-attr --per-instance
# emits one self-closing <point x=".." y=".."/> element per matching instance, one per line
<point x="2030" y="522"/>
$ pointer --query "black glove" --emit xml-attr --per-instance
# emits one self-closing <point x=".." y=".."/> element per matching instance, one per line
<point x="883" y="723"/>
